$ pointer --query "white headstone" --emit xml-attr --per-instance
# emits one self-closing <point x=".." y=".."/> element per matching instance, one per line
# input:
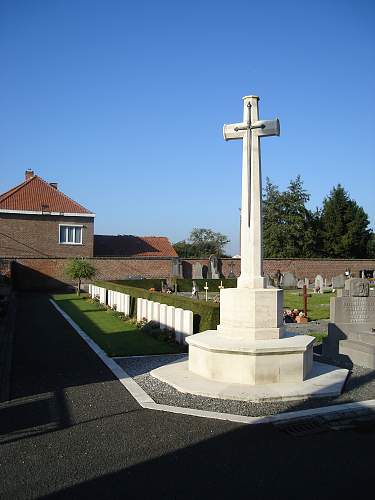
<point x="187" y="324"/>
<point x="150" y="308"/>
<point x="156" y="312"/>
<point x="163" y="316"/>
<point x="179" y="324"/>
<point x="170" y="317"/>
<point x="102" y="295"/>
<point x="319" y="283"/>
<point x="139" y="309"/>
<point x="126" y="304"/>
<point x="144" y="309"/>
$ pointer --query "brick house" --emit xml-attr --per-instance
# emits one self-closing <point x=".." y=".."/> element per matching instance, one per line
<point x="38" y="220"/>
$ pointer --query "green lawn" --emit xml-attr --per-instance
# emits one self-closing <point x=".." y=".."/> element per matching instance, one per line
<point x="114" y="336"/>
<point x="317" y="303"/>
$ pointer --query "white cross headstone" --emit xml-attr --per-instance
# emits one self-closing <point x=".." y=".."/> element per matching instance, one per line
<point x="206" y="288"/>
<point x="250" y="131"/>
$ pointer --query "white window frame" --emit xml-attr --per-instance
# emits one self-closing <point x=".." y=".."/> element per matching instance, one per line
<point x="68" y="242"/>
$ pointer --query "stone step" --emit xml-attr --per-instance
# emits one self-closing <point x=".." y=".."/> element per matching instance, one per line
<point x="364" y="337"/>
<point x="360" y="353"/>
<point x="359" y="346"/>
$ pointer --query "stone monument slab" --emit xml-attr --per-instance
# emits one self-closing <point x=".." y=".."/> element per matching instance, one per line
<point x="289" y="280"/>
<point x="338" y="281"/>
<point x="197" y="271"/>
<point x="351" y="331"/>
<point x="213" y="268"/>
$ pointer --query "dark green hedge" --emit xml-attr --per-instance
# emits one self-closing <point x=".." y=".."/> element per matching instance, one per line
<point x="206" y="314"/>
<point x="183" y="285"/>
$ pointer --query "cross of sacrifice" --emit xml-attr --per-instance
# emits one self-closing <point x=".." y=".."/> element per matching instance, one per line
<point x="250" y="131"/>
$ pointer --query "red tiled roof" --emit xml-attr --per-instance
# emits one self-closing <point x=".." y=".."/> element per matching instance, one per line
<point x="132" y="246"/>
<point x="37" y="195"/>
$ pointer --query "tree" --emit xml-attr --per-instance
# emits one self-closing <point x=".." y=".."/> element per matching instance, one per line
<point x="344" y="226"/>
<point x="202" y="242"/>
<point x="288" y="226"/>
<point x="78" y="269"/>
<point x="274" y="235"/>
<point x="371" y="247"/>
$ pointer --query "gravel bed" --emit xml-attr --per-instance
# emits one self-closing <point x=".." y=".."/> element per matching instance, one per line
<point x="320" y="326"/>
<point x="360" y="386"/>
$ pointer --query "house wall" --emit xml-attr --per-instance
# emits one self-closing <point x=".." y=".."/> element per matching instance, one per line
<point x="24" y="235"/>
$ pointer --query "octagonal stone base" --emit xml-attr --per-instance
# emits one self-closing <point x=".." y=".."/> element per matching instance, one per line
<point x="244" y="361"/>
<point x="324" y="381"/>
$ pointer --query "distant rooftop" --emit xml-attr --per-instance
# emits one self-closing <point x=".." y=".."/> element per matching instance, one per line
<point x="133" y="246"/>
<point x="37" y="195"/>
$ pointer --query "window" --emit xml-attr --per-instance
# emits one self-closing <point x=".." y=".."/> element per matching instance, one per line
<point x="71" y="235"/>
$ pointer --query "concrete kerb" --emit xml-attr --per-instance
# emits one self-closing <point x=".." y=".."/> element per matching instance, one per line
<point x="145" y="401"/>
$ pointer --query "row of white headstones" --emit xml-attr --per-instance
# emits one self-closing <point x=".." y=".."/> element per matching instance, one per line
<point x="168" y="317"/>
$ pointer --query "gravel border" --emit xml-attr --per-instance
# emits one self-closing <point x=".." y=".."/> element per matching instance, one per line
<point x="360" y="386"/>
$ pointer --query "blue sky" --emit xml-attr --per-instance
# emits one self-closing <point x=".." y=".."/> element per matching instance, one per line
<point x="122" y="103"/>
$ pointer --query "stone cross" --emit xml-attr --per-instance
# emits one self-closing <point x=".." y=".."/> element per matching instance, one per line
<point x="206" y="288"/>
<point x="250" y="131"/>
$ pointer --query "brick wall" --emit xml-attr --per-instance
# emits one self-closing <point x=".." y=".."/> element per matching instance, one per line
<point x="302" y="268"/>
<point x="24" y="235"/>
<point x="45" y="273"/>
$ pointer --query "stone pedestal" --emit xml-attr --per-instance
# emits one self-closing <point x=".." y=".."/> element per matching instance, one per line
<point x="251" y="313"/>
<point x="250" y="345"/>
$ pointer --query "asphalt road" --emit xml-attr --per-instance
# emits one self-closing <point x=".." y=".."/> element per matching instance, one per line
<point x="71" y="431"/>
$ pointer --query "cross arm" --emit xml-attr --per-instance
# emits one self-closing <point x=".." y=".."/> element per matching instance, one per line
<point x="234" y="131"/>
<point x="266" y="127"/>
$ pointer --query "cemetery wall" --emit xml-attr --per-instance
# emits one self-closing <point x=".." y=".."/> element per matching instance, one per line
<point x="302" y="268"/>
<point x="45" y="273"/>
<point x="310" y="268"/>
<point x="48" y="273"/>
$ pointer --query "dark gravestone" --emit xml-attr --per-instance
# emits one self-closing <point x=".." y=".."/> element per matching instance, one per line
<point x="197" y="271"/>
<point x="338" y="281"/>
<point x="352" y="319"/>
<point x="289" y="280"/>
<point x="176" y="270"/>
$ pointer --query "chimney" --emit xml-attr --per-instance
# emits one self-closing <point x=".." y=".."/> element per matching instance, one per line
<point x="53" y="184"/>
<point x="28" y="174"/>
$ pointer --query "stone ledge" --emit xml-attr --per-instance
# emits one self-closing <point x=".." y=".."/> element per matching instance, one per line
<point x="324" y="381"/>
<point x="210" y="340"/>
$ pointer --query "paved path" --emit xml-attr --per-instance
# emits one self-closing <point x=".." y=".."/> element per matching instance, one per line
<point x="72" y="431"/>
